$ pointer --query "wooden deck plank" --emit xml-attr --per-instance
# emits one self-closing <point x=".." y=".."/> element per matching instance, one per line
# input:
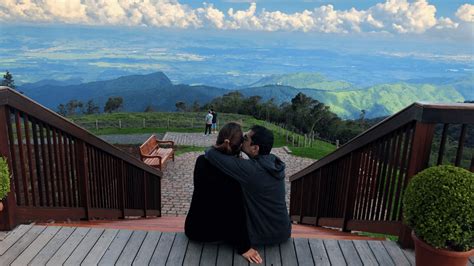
<point x="148" y="247"/>
<point x="163" y="249"/>
<point x="303" y="252"/>
<point x="193" y="253"/>
<point x="52" y="246"/>
<point x="14" y="251"/>
<point x="115" y="248"/>
<point x="395" y="253"/>
<point x="470" y="262"/>
<point x="68" y="247"/>
<point x="131" y="249"/>
<point x="380" y="253"/>
<point x="71" y="246"/>
<point x="225" y="255"/>
<point x="239" y="260"/>
<point x="13" y="236"/>
<point x="84" y="247"/>
<point x="350" y="252"/>
<point x="178" y="250"/>
<point x="334" y="252"/>
<point x="209" y="254"/>
<point x="261" y="251"/>
<point x="320" y="256"/>
<point x="288" y="254"/>
<point x="365" y="253"/>
<point x="410" y="254"/>
<point x="272" y="255"/>
<point x="100" y="247"/>
<point x="35" y="247"/>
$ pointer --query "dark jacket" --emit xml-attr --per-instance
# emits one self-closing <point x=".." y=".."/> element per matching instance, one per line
<point x="263" y="186"/>
<point x="214" y="117"/>
<point x="217" y="208"/>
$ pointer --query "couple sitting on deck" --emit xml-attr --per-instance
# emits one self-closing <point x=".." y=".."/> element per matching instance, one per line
<point x="239" y="201"/>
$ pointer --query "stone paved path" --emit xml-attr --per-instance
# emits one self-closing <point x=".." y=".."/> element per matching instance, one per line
<point x="177" y="183"/>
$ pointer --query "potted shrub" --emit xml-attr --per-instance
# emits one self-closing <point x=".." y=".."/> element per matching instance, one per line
<point x="439" y="206"/>
<point x="4" y="180"/>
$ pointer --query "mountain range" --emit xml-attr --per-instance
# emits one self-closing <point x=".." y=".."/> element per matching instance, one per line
<point x="345" y="99"/>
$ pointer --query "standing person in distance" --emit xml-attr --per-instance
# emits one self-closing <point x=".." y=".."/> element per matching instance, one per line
<point x="214" y="121"/>
<point x="208" y="123"/>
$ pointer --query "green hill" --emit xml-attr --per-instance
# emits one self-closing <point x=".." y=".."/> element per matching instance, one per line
<point x="304" y="80"/>
<point x="379" y="100"/>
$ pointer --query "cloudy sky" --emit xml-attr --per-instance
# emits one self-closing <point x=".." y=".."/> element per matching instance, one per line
<point x="100" y="37"/>
<point x="337" y="16"/>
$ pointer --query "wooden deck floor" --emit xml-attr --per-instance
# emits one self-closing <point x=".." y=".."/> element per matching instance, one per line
<point x="58" y="245"/>
<point x="176" y="224"/>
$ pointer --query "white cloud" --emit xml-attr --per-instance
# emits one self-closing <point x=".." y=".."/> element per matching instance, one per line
<point x="395" y="16"/>
<point x="466" y="13"/>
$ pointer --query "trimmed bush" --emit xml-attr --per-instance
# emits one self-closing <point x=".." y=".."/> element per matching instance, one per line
<point x="4" y="178"/>
<point x="439" y="206"/>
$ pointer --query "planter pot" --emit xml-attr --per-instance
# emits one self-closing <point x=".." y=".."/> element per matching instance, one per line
<point x="427" y="255"/>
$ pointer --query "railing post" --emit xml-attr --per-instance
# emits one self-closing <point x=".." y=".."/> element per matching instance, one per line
<point x="418" y="160"/>
<point x="83" y="175"/>
<point x="145" y="175"/>
<point x="350" y="189"/>
<point x="7" y="216"/>
<point x="122" y="188"/>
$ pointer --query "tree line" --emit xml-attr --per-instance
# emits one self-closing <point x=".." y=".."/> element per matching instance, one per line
<point x="76" y="107"/>
<point x="302" y="114"/>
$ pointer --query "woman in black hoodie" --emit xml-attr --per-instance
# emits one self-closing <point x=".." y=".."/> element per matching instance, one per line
<point x="217" y="208"/>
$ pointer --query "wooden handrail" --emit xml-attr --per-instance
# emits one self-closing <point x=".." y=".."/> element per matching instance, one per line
<point x="459" y="113"/>
<point x="61" y="171"/>
<point x="360" y="185"/>
<point x="16" y="100"/>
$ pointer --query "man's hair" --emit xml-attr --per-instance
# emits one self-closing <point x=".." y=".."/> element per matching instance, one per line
<point x="228" y="131"/>
<point x="262" y="137"/>
<point x="212" y="110"/>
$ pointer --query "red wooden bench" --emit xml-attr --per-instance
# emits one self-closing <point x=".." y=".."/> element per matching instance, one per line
<point x="154" y="155"/>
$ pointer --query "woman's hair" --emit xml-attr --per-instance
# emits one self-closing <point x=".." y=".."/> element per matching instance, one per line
<point x="228" y="131"/>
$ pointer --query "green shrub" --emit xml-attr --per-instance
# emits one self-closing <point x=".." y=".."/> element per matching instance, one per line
<point x="4" y="178"/>
<point x="439" y="207"/>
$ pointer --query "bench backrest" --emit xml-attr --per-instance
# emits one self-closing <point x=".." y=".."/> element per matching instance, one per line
<point x="147" y="147"/>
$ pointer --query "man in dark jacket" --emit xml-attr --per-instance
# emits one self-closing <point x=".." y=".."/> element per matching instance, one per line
<point x="262" y="178"/>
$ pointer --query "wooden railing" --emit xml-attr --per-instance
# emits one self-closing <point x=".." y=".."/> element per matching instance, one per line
<point x="360" y="185"/>
<point x="61" y="171"/>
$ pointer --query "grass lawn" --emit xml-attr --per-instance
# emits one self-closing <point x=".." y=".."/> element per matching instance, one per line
<point x="161" y="122"/>
<point x="125" y="131"/>
<point x="180" y="149"/>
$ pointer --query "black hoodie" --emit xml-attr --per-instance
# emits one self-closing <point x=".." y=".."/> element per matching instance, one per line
<point x="263" y="186"/>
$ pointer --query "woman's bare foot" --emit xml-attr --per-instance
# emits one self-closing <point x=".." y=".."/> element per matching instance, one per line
<point x="253" y="256"/>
